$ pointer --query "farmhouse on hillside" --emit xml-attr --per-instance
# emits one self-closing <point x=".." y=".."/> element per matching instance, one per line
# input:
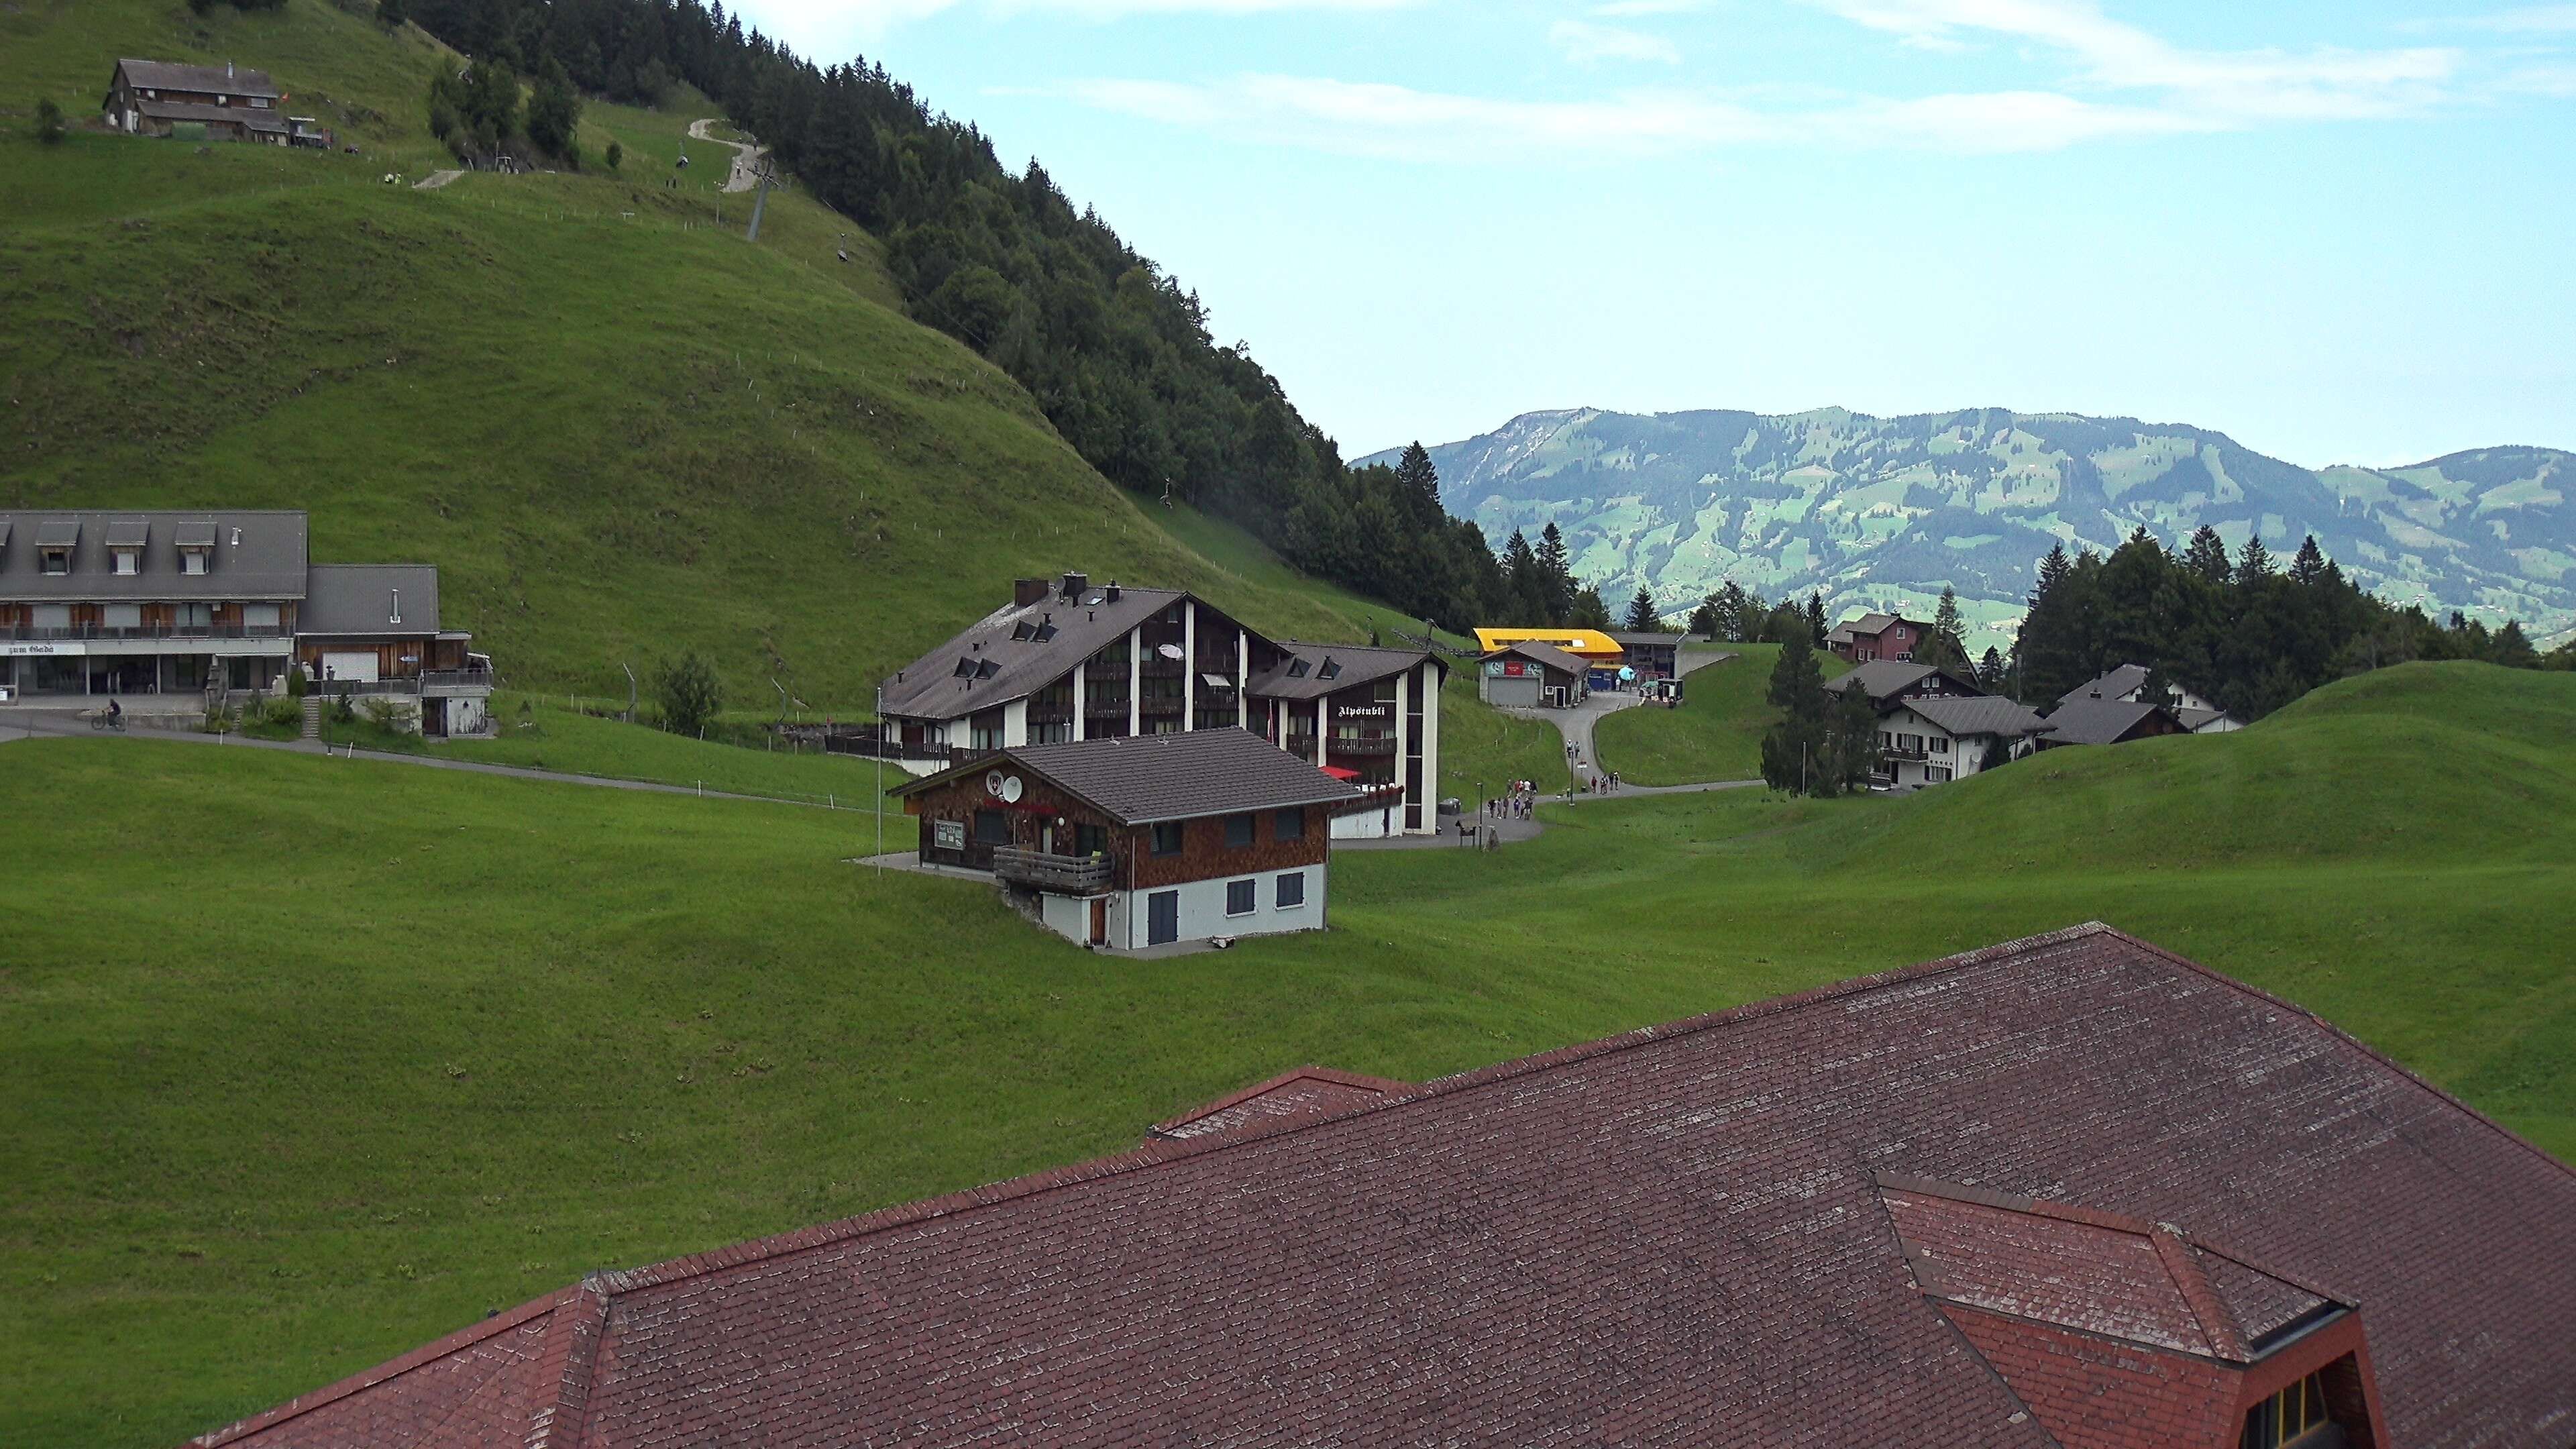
<point x="2106" y="722"/>
<point x="2128" y="685"/>
<point x="2068" y="1191"/>
<point x="1144" y="840"/>
<point x="1071" y="661"/>
<point x="1878" y="636"/>
<point x="1934" y="725"/>
<point x="215" y="102"/>
<point x="205" y="604"/>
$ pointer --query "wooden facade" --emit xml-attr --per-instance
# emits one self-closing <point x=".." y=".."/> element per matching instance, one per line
<point x="1050" y="820"/>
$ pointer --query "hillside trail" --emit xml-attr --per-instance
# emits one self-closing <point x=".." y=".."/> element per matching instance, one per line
<point x="1582" y="761"/>
<point x="745" y="157"/>
<point x="435" y="180"/>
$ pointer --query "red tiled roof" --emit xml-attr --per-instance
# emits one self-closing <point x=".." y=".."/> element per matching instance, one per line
<point x="1302" y="1093"/>
<point x="1673" y="1236"/>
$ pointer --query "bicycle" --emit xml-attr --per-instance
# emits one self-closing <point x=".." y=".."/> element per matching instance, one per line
<point x="105" y="721"/>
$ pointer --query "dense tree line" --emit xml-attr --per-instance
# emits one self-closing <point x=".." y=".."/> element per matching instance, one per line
<point x="1826" y="743"/>
<point x="1116" y="352"/>
<point x="2243" y="631"/>
<point x="1738" y="615"/>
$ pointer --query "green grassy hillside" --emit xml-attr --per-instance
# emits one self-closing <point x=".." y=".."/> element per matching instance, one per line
<point x="311" y="1061"/>
<point x="619" y="429"/>
<point x="1715" y="735"/>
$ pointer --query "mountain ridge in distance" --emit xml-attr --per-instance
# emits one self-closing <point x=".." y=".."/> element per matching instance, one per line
<point x="1883" y="512"/>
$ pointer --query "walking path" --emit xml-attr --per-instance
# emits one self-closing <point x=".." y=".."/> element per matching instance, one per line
<point x="435" y="180"/>
<point x="746" y="158"/>
<point x="1575" y="724"/>
<point x="30" y="724"/>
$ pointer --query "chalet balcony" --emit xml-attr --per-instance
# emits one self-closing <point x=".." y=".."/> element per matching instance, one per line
<point x="33" y="633"/>
<point x="1339" y="748"/>
<point x="1056" y="874"/>
<point x="1914" y="753"/>
<point x="480" y="678"/>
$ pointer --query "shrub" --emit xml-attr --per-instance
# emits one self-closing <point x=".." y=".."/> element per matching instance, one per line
<point x="296" y="684"/>
<point x="49" y="122"/>
<point x="689" y="694"/>
<point x="616" y="154"/>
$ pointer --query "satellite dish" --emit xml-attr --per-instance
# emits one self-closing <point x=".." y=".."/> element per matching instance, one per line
<point x="1169" y="651"/>
<point x="1011" y="790"/>
<point x="993" y="784"/>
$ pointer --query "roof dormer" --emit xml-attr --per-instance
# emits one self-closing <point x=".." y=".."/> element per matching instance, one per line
<point x="55" y="541"/>
<point x="125" y="540"/>
<point x="196" y="545"/>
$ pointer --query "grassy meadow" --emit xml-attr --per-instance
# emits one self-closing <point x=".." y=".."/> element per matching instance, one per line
<point x="310" y="1061"/>
<point x="1715" y="735"/>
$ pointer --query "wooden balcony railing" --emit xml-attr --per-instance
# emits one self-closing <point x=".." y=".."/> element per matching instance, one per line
<point x="1060" y="874"/>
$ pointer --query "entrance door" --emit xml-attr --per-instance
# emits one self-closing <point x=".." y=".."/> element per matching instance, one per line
<point x="1162" y="918"/>
<point x="1100" y="920"/>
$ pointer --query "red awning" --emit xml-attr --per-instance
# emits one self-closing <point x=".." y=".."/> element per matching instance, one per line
<point x="1339" y="773"/>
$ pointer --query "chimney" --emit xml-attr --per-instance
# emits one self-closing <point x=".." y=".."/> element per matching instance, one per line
<point x="228" y="70"/>
<point x="397" y="607"/>
<point x="1110" y="596"/>
<point x="1074" y="584"/>
<point x="1025" y="592"/>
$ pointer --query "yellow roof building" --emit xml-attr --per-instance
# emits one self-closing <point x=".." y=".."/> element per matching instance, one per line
<point x="1586" y="644"/>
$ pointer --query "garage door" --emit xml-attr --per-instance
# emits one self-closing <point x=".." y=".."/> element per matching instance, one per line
<point x="357" y="666"/>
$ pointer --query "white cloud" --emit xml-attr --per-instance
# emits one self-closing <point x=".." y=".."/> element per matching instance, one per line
<point x="1586" y="44"/>
<point x="2527" y="20"/>
<point x="1400" y="122"/>
<point x="2556" y="81"/>
<point x="2321" y="83"/>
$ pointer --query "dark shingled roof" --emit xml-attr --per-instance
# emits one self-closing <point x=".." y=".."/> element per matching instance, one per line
<point x="1360" y="664"/>
<point x="252" y="117"/>
<point x="1885" y="677"/>
<point x="931" y="687"/>
<point x="163" y="75"/>
<point x="1676" y="1236"/>
<point x="2097" y="721"/>
<point x="1547" y="654"/>
<point x="2126" y="679"/>
<point x="266" y="563"/>
<point x="1142" y="779"/>
<point x="1631" y="636"/>
<point x="358" y="599"/>
<point x="1985" y="714"/>
<point x="1293" y="1096"/>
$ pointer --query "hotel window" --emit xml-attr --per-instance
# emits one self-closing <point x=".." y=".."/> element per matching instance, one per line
<point x="1935" y="774"/>
<point x="122" y="616"/>
<point x="259" y="616"/>
<point x="1058" y="733"/>
<point x="1090" y="840"/>
<point x="2286" y="1415"/>
<point x="1292" y="889"/>
<point x="1242" y="897"/>
<point x="56" y="561"/>
<point x="194" y="561"/>
<point x="991" y="828"/>
<point x="1238" y="831"/>
<point x="1288" y="825"/>
<point x="1940" y="744"/>
<point x="1167" y="838"/>
<point x="126" y="562"/>
<point x="194" y="616"/>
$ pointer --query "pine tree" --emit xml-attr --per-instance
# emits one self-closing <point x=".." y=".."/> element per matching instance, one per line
<point x="1946" y="647"/>
<point x="1791" y="747"/>
<point x="1589" y="611"/>
<point x="1524" y="582"/>
<point x="1643" y="617"/>
<point x="1851" y="742"/>
<point x="2511" y="649"/>
<point x="2310" y="565"/>
<point x="2253" y="561"/>
<point x="1704" y="620"/>
<point x="1556" y="573"/>
<point x="1418" y="483"/>
<point x="2206" y="555"/>
<point x="1990" y="671"/>
<point x="1816" y="620"/>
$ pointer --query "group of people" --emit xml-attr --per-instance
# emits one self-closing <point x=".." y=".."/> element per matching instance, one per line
<point x="1604" y="784"/>
<point x="1517" y="803"/>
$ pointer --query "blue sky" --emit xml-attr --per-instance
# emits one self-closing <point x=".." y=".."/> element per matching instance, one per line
<point x="2340" y="232"/>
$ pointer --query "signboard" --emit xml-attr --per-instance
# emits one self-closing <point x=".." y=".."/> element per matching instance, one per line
<point x="948" y="834"/>
<point x="16" y="650"/>
<point x="1494" y="669"/>
<point x="1362" y="711"/>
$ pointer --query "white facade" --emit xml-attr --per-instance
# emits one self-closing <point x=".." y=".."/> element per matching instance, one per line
<point x="1198" y="909"/>
<point x="1916" y="752"/>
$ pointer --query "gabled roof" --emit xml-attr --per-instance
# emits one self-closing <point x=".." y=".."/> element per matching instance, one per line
<point x="359" y="599"/>
<point x="2118" y="684"/>
<point x="1872" y="624"/>
<point x="1147" y="779"/>
<point x="253" y="117"/>
<point x="1296" y="1095"/>
<point x="1885" y="678"/>
<point x="1672" y="1236"/>
<point x="1332" y="667"/>
<point x="1547" y="654"/>
<point x="1983" y="714"/>
<point x="1015" y="651"/>
<point x="256" y="554"/>
<point x="2098" y="721"/>
<point x="163" y="75"/>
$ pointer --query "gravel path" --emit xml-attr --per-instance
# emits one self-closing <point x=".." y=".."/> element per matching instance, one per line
<point x="745" y="158"/>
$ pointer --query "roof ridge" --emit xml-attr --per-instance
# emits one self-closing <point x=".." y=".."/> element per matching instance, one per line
<point x="2348" y="1039"/>
<point x="367" y="1378"/>
<point x="2218" y="1324"/>
<point x="1334" y="1075"/>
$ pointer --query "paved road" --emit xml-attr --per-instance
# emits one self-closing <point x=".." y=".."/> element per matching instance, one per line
<point x="745" y="158"/>
<point x="1576" y="726"/>
<point x="29" y="724"/>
